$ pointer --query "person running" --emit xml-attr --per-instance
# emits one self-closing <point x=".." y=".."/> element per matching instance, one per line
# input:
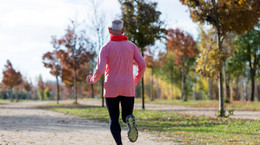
<point x="116" y="60"/>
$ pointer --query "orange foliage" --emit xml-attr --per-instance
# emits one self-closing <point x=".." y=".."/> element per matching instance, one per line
<point x="27" y="86"/>
<point x="182" y="44"/>
<point x="231" y="15"/>
<point x="11" y="78"/>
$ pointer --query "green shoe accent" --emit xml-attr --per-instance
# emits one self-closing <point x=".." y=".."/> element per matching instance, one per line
<point x="132" y="130"/>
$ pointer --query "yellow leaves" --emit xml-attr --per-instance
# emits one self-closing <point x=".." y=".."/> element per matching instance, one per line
<point x="209" y="63"/>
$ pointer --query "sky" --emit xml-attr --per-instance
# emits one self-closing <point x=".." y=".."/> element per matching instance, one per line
<point x="26" y="27"/>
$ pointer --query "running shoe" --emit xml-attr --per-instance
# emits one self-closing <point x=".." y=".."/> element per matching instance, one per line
<point x="132" y="130"/>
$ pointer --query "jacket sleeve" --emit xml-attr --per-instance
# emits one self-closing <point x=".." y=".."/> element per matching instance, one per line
<point x="100" y="67"/>
<point x="141" y="65"/>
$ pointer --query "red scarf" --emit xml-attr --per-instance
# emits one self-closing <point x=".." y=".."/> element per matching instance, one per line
<point x="118" y="38"/>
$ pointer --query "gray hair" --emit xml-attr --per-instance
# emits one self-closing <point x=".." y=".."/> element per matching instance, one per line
<point x="117" y="25"/>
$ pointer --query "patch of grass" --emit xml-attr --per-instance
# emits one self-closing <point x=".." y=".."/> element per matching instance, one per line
<point x="234" y="105"/>
<point x="180" y="128"/>
<point x="3" y="101"/>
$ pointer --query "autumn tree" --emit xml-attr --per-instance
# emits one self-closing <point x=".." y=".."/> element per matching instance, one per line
<point x="184" y="48"/>
<point x="11" y="78"/>
<point x="81" y="75"/>
<point x="209" y="67"/>
<point x="225" y="16"/>
<point x="168" y="70"/>
<point x="27" y="86"/>
<point x="41" y="87"/>
<point x="143" y="23"/>
<point x="51" y="61"/>
<point x="78" y="51"/>
<point x="151" y="63"/>
<point x="248" y="52"/>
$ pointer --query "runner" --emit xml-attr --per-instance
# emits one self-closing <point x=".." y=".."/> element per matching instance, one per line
<point x="116" y="60"/>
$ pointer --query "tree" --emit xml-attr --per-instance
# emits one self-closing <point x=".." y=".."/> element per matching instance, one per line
<point x="151" y="62"/>
<point x="225" y="16"/>
<point x="78" y="51"/>
<point x="81" y="75"/>
<point x="51" y="61"/>
<point x="248" y="52"/>
<point x="143" y="23"/>
<point x="206" y="63"/>
<point x="41" y="87"/>
<point x="168" y="71"/>
<point x="11" y="78"/>
<point x="184" y="48"/>
<point x="28" y="88"/>
<point x="98" y="22"/>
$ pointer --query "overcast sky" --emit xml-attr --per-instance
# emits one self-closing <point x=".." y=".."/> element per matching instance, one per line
<point x="26" y="27"/>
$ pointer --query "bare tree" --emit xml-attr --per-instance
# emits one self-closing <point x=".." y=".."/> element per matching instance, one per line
<point x="98" y="24"/>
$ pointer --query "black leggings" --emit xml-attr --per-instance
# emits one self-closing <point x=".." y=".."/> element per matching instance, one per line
<point x="127" y="105"/>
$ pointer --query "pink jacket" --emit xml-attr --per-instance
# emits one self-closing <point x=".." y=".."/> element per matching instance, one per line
<point x="116" y="60"/>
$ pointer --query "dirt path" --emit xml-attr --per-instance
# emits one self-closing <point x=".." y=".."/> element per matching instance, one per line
<point x="191" y="110"/>
<point x="23" y="124"/>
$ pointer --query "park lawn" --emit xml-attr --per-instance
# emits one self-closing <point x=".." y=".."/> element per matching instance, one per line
<point x="3" y="101"/>
<point x="234" y="105"/>
<point x="180" y="128"/>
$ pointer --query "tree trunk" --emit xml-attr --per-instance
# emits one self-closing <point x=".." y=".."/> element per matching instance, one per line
<point x="194" y="91"/>
<point x="143" y="107"/>
<point x="16" y="97"/>
<point x="158" y="92"/>
<point x="42" y="95"/>
<point x="228" y="88"/>
<point x="92" y="90"/>
<point x="58" y="89"/>
<point x="172" y="92"/>
<point x="102" y="91"/>
<point x="11" y="94"/>
<point x="258" y="92"/>
<point x="221" y="100"/>
<point x="210" y="89"/>
<point x="252" y="99"/>
<point x="225" y="82"/>
<point x="151" y="88"/>
<point x="237" y="95"/>
<point x="75" y="84"/>
<point x="183" y="94"/>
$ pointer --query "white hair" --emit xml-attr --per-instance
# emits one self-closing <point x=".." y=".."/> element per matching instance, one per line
<point x="117" y="25"/>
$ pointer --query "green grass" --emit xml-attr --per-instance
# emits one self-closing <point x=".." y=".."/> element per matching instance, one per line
<point x="5" y="101"/>
<point x="180" y="128"/>
<point x="2" y="101"/>
<point x="234" y="105"/>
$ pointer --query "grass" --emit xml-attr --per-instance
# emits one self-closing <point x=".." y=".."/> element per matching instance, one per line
<point x="5" y="101"/>
<point x="2" y="101"/>
<point x="234" y="105"/>
<point x="180" y="128"/>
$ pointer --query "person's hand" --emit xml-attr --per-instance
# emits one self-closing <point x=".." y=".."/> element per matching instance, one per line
<point x="88" y="79"/>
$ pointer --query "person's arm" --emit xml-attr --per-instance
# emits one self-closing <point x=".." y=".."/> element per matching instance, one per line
<point x="141" y="65"/>
<point x="100" y="67"/>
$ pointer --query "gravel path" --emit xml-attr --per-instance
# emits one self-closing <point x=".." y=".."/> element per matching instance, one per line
<point x="23" y="124"/>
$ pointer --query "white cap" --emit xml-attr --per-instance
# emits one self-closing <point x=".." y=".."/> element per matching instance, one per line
<point x="117" y="25"/>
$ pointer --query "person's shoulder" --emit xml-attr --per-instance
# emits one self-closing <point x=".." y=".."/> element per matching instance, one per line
<point x="106" y="45"/>
<point x="131" y="43"/>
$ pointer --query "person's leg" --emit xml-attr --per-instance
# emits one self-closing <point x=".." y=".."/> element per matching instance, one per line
<point x="113" y="109"/>
<point x="127" y="105"/>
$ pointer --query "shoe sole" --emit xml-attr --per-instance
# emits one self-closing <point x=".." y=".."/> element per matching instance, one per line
<point x="132" y="130"/>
